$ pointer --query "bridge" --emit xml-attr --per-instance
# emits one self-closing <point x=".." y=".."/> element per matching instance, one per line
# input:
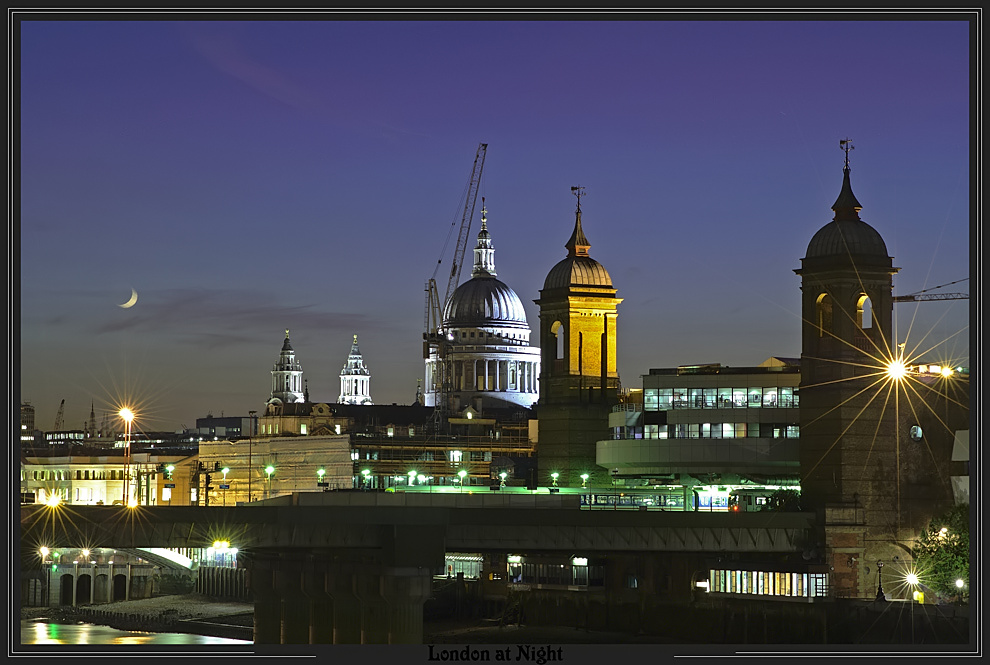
<point x="356" y="568"/>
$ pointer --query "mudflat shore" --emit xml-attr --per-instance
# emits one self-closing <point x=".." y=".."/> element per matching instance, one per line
<point x="188" y="613"/>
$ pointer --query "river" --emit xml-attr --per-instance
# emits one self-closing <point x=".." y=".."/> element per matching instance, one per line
<point x="40" y="632"/>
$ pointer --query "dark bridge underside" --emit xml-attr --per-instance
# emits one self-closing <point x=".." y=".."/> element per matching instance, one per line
<point x="411" y="531"/>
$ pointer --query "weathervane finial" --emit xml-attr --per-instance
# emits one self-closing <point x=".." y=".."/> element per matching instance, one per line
<point x="578" y="191"/>
<point x="846" y="145"/>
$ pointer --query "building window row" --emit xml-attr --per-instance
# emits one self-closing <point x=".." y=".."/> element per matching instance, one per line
<point x="768" y="583"/>
<point x="666" y="399"/>
<point x="80" y="474"/>
<point x="709" y="431"/>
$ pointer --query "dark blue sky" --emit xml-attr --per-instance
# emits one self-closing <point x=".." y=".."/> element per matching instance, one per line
<point x="248" y="177"/>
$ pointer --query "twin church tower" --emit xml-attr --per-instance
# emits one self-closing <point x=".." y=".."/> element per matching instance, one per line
<point x="288" y="386"/>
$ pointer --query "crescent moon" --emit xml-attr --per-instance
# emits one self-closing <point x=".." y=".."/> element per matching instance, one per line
<point x="131" y="301"/>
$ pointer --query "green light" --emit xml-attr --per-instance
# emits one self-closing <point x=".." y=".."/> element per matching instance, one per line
<point x="269" y="469"/>
<point x="321" y="472"/>
<point x="225" y="470"/>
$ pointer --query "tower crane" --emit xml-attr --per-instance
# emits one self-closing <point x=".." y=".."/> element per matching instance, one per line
<point x="58" y="416"/>
<point x="435" y="337"/>
<point x="925" y="295"/>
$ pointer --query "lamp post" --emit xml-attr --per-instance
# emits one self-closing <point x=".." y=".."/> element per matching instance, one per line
<point x="251" y="434"/>
<point x="462" y="474"/>
<point x="584" y="480"/>
<point x="502" y="476"/>
<point x="48" y="575"/>
<point x="127" y="416"/>
<point x="225" y="470"/>
<point x="880" y="595"/>
<point x="169" y="485"/>
<point x="269" y="470"/>
<point x="366" y="475"/>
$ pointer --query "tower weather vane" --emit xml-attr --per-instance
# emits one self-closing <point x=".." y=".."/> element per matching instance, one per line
<point x="578" y="191"/>
<point x="846" y="145"/>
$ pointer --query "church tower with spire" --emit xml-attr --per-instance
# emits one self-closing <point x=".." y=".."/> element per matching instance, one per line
<point x="355" y="378"/>
<point x="871" y="486"/>
<point x="580" y="382"/>
<point x="287" y="379"/>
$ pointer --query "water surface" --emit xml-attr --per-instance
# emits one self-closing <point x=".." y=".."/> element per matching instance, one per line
<point x="41" y="632"/>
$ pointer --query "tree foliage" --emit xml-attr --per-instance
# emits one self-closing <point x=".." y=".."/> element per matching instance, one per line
<point x="941" y="555"/>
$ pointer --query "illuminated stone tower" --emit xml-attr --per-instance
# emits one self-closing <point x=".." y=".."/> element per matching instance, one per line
<point x="287" y="381"/>
<point x="870" y="485"/>
<point x="355" y="379"/>
<point x="579" y="382"/>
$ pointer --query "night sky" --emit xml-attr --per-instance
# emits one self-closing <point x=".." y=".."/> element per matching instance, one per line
<point x="248" y="177"/>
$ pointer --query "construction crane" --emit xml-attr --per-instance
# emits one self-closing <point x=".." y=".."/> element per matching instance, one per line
<point x="58" y="416"/>
<point x="435" y="337"/>
<point x="925" y="295"/>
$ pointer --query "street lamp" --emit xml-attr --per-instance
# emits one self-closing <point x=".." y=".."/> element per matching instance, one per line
<point x="48" y="575"/>
<point x="554" y="475"/>
<point x="462" y="474"/>
<point x="412" y="477"/>
<point x="366" y="473"/>
<point x="584" y="480"/>
<point x="502" y="476"/>
<point x="127" y="416"/>
<point x="269" y="470"/>
<point x="880" y="595"/>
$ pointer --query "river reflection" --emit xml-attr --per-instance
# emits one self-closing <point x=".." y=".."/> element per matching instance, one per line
<point x="40" y="632"/>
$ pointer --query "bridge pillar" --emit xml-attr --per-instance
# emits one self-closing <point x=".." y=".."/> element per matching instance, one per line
<point x="405" y="591"/>
<point x="267" y="603"/>
<point x="293" y="603"/>
<point x="314" y="584"/>
<point x="346" y="606"/>
<point x="374" y="610"/>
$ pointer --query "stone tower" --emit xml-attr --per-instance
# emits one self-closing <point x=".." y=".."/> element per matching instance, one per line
<point x="872" y="488"/>
<point x="287" y="381"/>
<point x="579" y="382"/>
<point x="355" y="379"/>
